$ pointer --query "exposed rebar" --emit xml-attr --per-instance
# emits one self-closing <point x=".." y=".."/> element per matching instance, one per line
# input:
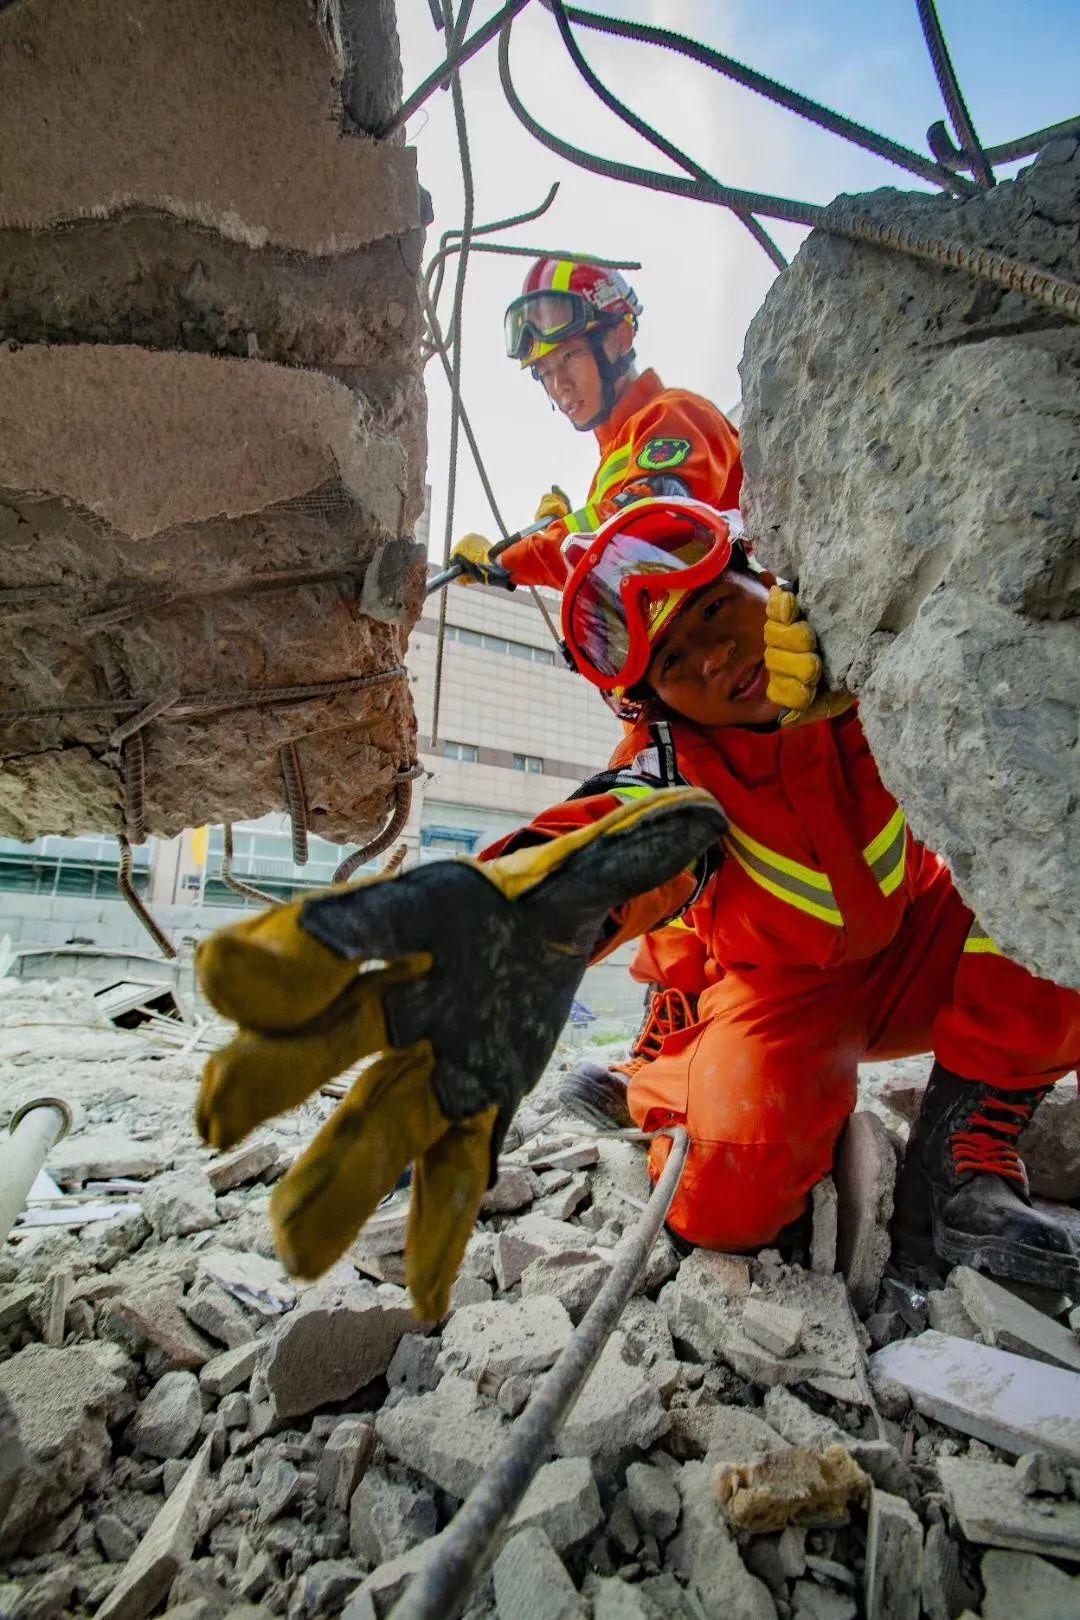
<point x="231" y="881"/>
<point x="951" y="94"/>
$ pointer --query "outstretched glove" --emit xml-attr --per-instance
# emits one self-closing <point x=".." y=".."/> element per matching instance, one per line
<point x="793" y="665"/>
<point x="453" y="980"/>
<point x="556" y="504"/>
<point x="473" y="556"/>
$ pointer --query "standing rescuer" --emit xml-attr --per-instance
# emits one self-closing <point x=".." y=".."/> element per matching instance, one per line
<point x="573" y="327"/>
<point x="841" y="939"/>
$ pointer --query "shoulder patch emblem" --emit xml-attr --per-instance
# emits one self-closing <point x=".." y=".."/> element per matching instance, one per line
<point x="659" y="455"/>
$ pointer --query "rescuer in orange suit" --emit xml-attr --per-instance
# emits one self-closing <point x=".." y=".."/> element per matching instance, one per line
<point x="838" y="938"/>
<point x="573" y="327"/>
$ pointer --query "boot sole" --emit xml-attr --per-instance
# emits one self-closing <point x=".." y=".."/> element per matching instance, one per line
<point x="591" y="1116"/>
<point x="1004" y="1259"/>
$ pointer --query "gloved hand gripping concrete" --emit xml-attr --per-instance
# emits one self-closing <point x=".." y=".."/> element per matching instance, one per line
<point x="454" y="979"/>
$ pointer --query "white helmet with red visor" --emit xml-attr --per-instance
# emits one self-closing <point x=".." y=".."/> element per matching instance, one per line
<point x="630" y="579"/>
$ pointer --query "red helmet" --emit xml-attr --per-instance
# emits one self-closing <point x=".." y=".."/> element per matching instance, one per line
<point x="630" y="579"/>
<point x="561" y="299"/>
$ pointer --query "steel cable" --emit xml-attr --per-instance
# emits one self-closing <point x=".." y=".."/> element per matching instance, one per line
<point x="621" y="110"/>
<point x="951" y="94"/>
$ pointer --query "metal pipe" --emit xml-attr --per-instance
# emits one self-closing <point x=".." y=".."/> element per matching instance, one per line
<point x="35" y="1128"/>
<point x="462" y="1551"/>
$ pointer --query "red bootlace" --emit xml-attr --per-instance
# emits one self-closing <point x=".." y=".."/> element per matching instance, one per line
<point x="988" y="1144"/>
<point x="669" y="1010"/>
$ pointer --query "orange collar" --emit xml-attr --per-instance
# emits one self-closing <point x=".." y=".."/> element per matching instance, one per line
<point x="637" y="396"/>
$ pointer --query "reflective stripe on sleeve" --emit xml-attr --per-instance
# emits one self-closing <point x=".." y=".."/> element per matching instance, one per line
<point x="886" y="854"/>
<point x="584" y="520"/>
<point x="611" y="471"/>
<point x="979" y="943"/>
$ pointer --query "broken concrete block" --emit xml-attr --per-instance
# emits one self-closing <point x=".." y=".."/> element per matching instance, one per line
<point x="167" y="1421"/>
<point x="55" y="1299"/>
<point x="164" y="1550"/>
<point x="722" y="1434"/>
<point x="706" y="1554"/>
<point x="1010" y="1324"/>
<point x="799" y="1424"/>
<point x="823" y="1231"/>
<point x="946" y="1314"/>
<point x="615" y="1599"/>
<point x="580" y="1156"/>
<point x="946" y="1589"/>
<point x="774" y="1327"/>
<point x="150" y="1320"/>
<point x="447" y="1436"/>
<point x="376" y="1596"/>
<point x="218" y="1313"/>
<point x="1003" y="1399"/>
<point x="561" y="1201"/>
<point x="321" y="1589"/>
<point x="894" y="1543"/>
<point x="278" y="1488"/>
<point x="388" y="1517"/>
<point x="224" y="1373"/>
<point x="345" y="1456"/>
<point x="254" y="1161"/>
<point x="654" y="1500"/>
<point x="815" y="1489"/>
<point x="530" y="1580"/>
<point x="505" y="1338"/>
<point x="99" y="1155"/>
<point x="339" y="1337"/>
<point x="865" y="1173"/>
<point x="1040" y="1475"/>
<point x="516" y="1188"/>
<point x="1018" y="1586"/>
<point x="413" y="1366"/>
<point x="386" y="1230"/>
<point x="62" y="1402"/>
<point x="563" y="1502"/>
<point x="571" y="1281"/>
<point x="531" y="1238"/>
<point x="987" y="1501"/>
<point x="180" y="1203"/>
<point x="618" y="1411"/>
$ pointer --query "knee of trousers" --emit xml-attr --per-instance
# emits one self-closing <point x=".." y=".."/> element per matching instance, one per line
<point x="736" y="1195"/>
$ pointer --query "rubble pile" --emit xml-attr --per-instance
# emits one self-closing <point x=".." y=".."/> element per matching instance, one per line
<point x="211" y="417"/>
<point x="909" y="436"/>
<point x="184" y="1429"/>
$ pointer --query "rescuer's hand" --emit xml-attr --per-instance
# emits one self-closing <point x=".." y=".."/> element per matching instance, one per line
<point x="555" y="504"/>
<point x="473" y="556"/>
<point x="791" y="658"/>
<point x="454" y="980"/>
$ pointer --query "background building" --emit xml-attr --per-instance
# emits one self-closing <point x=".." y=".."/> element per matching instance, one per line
<point x="517" y="731"/>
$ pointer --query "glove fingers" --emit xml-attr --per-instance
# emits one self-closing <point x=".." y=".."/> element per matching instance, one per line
<point x="389" y="1118"/>
<point x="797" y="638"/>
<point x="782" y="606"/>
<point x="448" y="1185"/>
<point x="804" y="666"/>
<point x="789" y="692"/>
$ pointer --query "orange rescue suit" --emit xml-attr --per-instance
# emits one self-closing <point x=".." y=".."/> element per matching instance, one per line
<point x="831" y="937"/>
<point x="652" y="431"/>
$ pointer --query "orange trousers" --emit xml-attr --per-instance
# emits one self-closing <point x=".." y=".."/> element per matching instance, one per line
<point x="766" y="1079"/>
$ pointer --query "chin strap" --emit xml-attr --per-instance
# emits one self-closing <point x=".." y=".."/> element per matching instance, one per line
<point x="610" y="372"/>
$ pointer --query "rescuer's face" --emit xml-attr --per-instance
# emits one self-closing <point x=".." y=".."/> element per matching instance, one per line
<point x="571" y="381"/>
<point x="709" y="667"/>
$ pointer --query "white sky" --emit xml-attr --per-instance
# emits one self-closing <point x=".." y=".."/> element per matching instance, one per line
<point x="702" y="276"/>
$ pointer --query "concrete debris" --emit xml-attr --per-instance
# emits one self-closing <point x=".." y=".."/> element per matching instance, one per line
<point x="414" y="1364"/>
<point x="151" y="1321"/>
<point x="791" y="1487"/>
<point x="218" y="1314"/>
<point x="339" y="1337"/>
<point x="388" y="1517"/>
<point x="724" y="1434"/>
<point x="567" y="1278"/>
<point x="63" y="1403"/>
<point x="987" y="1501"/>
<point x="55" y="1299"/>
<point x="349" y="1448"/>
<point x="934" y="598"/>
<point x="321" y="1589"/>
<point x="565" y="1197"/>
<point x="563" y="1502"/>
<point x="824" y="1233"/>
<point x="374" y="1598"/>
<point x="531" y="1582"/>
<point x="515" y="1189"/>
<point x="1040" y="1475"/>
<point x="254" y="1161"/>
<point x="535" y="1237"/>
<point x="617" y="1413"/>
<point x="164" y="1550"/>
<point x="654" y="1500"/>
<point x="1016" y="1584"/>
<point x="706" y="1555"/>
<point x="448" y="1436"/>
<point x="167" y="1421"/>
<point x="774" y="1327"/>
<point x="946" y="1588"/>
<point x="865" y="1172"/>
<point x="97" y="1155"/>
<point x="1010" y="1324"/>
<point x="503" y="1339"/>
<point x="614" y="1599"/>
<point x="224" y="1373"/>
<point x="1006" y="1400"/>
<point x="894" y="1547"/>
<point x="279" y="1487"/>
<point x="579" y="1157"/>
<point x="813" y="1602"/>
<point x="945" y="1313"/>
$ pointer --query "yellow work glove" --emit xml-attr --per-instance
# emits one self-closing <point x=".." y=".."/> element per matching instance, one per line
<point x="555" y="504"/>
<point x="472" y="554"/>
<point x="793" y="665"/>
<point x="453" y="981"/>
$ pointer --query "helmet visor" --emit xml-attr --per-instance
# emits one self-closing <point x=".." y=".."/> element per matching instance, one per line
<point x="544" y="317"/>
<point x="628" y="589"/>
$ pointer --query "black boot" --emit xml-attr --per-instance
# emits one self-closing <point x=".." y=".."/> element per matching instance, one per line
<point x="963" y="1191"/>
<point x="597" y="1094"/>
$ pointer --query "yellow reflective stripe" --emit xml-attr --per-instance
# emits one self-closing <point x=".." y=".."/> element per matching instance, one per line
<point x="886" y="854"/>
<point x="610" y="472"/>
<point x="560" y="281"/>
<point x="628" y="793"/>
<point x="801" y="902"/>
<point x="583" y="521"/>
<point x="782" y="863"/>
<point x="979" y="943"/>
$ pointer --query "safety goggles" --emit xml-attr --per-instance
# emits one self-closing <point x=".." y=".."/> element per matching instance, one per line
<point x="545" y="317"/>
<point x="637" y="572"/>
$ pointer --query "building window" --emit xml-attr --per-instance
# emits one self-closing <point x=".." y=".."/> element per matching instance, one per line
<point x="499" y="644"/>
<point x="440" y="841"/>
<point x="528" y="762"/>
<point x="459" y="750"/>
